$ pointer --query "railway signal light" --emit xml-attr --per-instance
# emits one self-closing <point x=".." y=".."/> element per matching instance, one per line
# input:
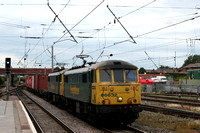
<point x="7" y="64"/>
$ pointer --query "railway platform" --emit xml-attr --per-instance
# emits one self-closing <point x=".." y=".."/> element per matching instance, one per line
<point x="14" y="118"/>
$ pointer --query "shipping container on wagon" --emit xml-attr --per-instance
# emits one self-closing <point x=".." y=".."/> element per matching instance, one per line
<point x="42" y="83"/>
<point x="37" y="82"/>
<point x="30" y="81"/>
<point x="26" y="83"/>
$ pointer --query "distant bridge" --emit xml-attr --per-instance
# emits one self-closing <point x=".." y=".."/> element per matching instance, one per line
<point x="27" y="71"/>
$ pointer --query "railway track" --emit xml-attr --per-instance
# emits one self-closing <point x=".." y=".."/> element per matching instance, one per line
<point x="182" y="102"/>
<point x="72" y="122"/>
<point x="136" y="129"/>
<point x="127" y="129"/>
<point x="172" y="98"/>
<point x="170" y="111"/>
<point x="43" y="120"/>
<point x="77" y="126"/>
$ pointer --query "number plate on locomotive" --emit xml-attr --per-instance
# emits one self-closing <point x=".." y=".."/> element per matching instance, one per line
<point x="109" y="95"/>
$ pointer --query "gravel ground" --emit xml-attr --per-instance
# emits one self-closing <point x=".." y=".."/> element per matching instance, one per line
<point x="71" y="121"/>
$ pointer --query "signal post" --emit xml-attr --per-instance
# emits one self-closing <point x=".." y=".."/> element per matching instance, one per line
<point x="7" y="66"/>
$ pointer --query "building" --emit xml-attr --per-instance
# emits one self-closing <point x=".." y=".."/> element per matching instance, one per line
<point x="191" y="67"/>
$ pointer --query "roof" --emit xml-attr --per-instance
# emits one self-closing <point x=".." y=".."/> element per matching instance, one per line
<point x="195" y="65"/>
<point x="193" y="70"/>
<point x="57" y="73"/>
<point x="113" y="64"/>
<point x="79" y="70"/>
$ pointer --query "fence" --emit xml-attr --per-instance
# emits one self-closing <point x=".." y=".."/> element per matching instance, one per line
<point x="170" y="88"/>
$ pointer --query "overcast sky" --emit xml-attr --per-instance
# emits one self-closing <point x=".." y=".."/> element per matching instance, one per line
<point x="167" y="31"/>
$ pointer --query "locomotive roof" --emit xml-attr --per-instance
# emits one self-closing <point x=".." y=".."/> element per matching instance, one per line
<point x="79" y="70"/>
<point x="113" y="64"/>
<point x="109" y="64"/>
<point x="57" y="73"/>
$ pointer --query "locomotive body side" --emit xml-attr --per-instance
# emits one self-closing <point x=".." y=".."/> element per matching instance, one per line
<point x="56" y="87"/>
<point x="77" y="85"/>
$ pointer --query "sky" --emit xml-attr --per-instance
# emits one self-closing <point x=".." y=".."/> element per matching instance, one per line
<point x="146" y="33"/>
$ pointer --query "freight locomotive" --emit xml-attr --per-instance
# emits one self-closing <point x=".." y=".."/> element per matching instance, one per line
<point x="109" y="90"/>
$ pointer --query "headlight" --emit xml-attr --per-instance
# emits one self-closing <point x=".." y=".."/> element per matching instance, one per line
<point x="119" y="99"/>
<point x="127" y="89"/>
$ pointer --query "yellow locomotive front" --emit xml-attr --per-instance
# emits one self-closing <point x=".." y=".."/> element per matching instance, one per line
<point x="116" y="87"/>
<point x="116" y="90"/>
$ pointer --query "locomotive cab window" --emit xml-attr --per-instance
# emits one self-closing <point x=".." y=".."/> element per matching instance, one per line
<point x="118" y="75"/>
<point x="131" y="75"/>
<point x="105" y="75"/>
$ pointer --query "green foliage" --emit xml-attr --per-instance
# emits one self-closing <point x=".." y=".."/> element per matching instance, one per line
<point x="175" y="78"/>
<point x="142" y="70"/>
<point x="164" y="66"/>
<point x="192" y="59"/>
<point x="2" y="80"/>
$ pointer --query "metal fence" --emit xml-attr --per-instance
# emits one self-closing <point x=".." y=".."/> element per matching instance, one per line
<point x="170" y="88"/>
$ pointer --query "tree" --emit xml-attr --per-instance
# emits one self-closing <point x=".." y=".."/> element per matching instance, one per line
<point x="192" y="59"/>
<point x="164" y="66"/>
<point x="142" y="70"/>
<point x="2" y="80"/>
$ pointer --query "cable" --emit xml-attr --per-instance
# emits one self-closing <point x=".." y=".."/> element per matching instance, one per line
<point x="120" y="6"/>
<point x="85" y="38"/>
<point x="14" y="25"/>
<point x="56" y="16"/>
<point x="169" y="26"/>
<point x="137" y="9"/>
<point x="70" y="30"/>
<point x="82" y="19"/>
<point x="121" y="24"/>
<point x="160" y="29"/>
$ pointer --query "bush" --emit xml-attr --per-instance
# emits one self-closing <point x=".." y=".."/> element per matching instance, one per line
<point x="2" y="80"/>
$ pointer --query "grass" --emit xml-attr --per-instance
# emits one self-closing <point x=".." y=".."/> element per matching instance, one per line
<point x="171" y="123"/>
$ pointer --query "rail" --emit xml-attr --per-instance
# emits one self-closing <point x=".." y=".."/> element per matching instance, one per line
<point x="170" y="111"/>
<point x="68" y="129"/>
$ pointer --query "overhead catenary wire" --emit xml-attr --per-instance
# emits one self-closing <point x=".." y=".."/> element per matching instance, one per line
<point x="162" y="28"/>
<point x="65" y="33"/>
<point x="105" y="47"/>
<point x="14" y="25"/>
<point x="121" y="24"/>
<point x="120" y="6"/>
<point x="56" y="16"/>
<point x="145" y="34"/>
<point x="82" y="19"/>
<point x="42" y="38"/>
<point x="137" y="9"/>
<point x="83" y="37"/>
